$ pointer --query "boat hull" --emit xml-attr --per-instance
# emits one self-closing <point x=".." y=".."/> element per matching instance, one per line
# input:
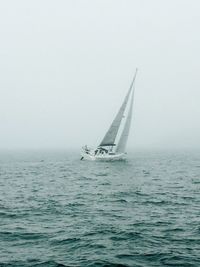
<point x="92" y="157"/>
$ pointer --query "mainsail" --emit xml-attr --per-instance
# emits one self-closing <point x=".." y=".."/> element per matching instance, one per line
<point x="110" y="136"/>
<point x="124" y="136"/>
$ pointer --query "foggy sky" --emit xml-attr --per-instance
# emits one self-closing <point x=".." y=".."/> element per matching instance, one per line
<point x="65" y="67"/>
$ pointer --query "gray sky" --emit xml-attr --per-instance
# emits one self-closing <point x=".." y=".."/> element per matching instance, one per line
<point x="65" y="67"/>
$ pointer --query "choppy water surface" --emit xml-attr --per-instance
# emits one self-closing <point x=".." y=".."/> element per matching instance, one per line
<point x="56" y="210"/>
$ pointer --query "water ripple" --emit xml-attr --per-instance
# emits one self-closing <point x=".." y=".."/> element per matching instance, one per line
<point x="58" y="211"/>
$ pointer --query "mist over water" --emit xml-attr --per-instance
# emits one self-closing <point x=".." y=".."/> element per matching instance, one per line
<point x="66" y="67"/>
<point x="56" y="210"/>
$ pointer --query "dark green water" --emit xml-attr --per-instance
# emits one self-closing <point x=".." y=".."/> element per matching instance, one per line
<point x="56" y="210"/>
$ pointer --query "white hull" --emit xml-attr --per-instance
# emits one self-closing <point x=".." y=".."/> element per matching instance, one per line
<point x="114" y="157"/>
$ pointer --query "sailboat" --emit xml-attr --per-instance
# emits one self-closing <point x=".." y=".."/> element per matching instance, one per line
<point x="113" y="146"/>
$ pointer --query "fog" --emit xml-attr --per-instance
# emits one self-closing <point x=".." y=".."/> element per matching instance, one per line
<point x="65" y="67"/>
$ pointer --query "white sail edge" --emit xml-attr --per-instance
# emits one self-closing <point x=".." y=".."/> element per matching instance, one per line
<point x="121" y="147"/>
<point x="111" y="134"/>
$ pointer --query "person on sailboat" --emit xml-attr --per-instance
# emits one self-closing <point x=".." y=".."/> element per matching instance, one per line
<point x="87" y="150"/>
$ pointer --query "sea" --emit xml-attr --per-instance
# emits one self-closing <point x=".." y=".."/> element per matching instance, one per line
<point x="56" y="210"/>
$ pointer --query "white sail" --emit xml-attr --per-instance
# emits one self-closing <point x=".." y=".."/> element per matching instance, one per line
<point x="125" y="133"/>
<point x="109" y="138"/>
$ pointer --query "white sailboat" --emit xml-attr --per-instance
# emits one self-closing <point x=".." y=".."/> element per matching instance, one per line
<point x="113" y="147"/>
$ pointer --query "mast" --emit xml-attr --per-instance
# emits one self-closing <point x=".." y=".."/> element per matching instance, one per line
<point x="110" y="136"/>
<point x="125" y="133"/>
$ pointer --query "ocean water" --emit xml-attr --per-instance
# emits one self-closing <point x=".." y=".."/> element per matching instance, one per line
<point x="56" y="210"/>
